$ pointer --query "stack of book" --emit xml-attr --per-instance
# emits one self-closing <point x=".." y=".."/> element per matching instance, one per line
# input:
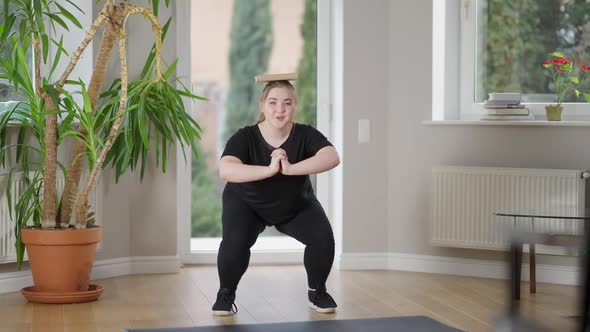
<point x="505" y="106"/>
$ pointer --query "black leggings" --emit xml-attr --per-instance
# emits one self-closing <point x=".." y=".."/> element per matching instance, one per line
<point x="241" y="227"/>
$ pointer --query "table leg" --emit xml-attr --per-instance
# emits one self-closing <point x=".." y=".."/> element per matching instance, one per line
<point x="585" y="298"/>
<point x="515" y="267"/>
<point x="532" y="268"/>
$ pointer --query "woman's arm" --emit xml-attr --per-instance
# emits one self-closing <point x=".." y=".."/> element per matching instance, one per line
<point x="324" y="160"/>
<point x="231" y="169"/>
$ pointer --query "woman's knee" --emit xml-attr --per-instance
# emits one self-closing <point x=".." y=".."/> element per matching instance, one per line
<point x="323" y="239"/>
<point x="237" y="243"/>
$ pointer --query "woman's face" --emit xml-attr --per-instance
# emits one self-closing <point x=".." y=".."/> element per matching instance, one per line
<point x="279" y="107"/>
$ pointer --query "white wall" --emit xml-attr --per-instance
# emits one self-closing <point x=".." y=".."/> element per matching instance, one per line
<point x="140" y="219"/>
<point x="153" y="204"/>
<point x="365" y="91"/>
<point x="413" y="148"/>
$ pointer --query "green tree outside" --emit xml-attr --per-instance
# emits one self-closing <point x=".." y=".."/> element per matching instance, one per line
<point x="251" y="43"/>
<point x="206" y="200"/>
<point x="306" y="84"/>
<point x="515" y="47"/>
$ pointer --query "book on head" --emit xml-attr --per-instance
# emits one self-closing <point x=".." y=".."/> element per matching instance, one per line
<point x="277" y="77"/>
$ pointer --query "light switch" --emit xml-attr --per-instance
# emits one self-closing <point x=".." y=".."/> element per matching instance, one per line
<point x="364" y="134"/>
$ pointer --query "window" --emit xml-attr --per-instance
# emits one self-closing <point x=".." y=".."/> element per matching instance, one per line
<point x="499" y="46"/>
<point x="72" y="38"/>
<point x="8" y="94"/>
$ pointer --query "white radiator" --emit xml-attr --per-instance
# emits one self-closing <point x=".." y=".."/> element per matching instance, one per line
<point x="7" y="238"/>
<point x="464" y="199"/>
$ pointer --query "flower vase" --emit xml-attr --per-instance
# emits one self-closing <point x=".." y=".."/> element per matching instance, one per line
<point x="553" y="112"/>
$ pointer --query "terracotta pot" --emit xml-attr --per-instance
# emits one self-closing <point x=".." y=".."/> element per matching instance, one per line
<point x="553" y="112"/>
<point x="61" y="260"/>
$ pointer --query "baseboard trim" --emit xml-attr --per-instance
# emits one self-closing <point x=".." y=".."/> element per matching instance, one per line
<point x="256" y="258"/>
<point x="556" y="274"/>
<point x="155" y="265"/>
<point x="108" y="268"/>
<point x="566" y="275"/>
<point x="363" y="261"/>
<point x="14" y="281"/>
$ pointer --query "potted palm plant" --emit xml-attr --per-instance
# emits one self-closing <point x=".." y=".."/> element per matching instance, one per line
<point x="113" y="126"/>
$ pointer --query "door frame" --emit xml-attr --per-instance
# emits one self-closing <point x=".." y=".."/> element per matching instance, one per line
<point x="325" y="181"/>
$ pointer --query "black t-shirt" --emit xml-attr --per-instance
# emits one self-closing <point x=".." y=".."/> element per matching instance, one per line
<point x="278" y="198"/>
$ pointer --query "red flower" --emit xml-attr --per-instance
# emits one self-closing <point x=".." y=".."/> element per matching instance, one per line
<point x="585" y="68"/>
<point x="548" y="62"/>
<point x="560" y="61"/>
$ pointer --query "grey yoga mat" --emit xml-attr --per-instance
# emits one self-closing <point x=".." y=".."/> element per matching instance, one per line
<point x="406" y="324"/>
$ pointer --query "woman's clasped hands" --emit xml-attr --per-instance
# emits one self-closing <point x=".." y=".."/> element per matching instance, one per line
<point x="279" y="162"/>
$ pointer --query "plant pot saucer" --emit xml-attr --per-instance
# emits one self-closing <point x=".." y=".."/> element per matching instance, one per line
<point x="91" y="294"/>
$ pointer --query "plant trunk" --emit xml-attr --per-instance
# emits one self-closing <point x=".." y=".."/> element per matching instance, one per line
<point x="68" y="198"/>
<point x="50" y="140"/>
<point x="50" y="183"/>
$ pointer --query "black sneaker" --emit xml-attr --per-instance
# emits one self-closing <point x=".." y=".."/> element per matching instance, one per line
<point x="224" y="305"/>
<point x="321" y="301"/>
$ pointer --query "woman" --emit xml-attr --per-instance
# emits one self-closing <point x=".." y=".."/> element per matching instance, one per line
<point x="267" y="168"/>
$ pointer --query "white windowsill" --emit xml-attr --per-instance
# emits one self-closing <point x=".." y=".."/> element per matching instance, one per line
<point x="532" y="123"/>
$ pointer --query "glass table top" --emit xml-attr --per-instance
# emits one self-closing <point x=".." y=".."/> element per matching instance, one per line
<point x="582" y="214"/>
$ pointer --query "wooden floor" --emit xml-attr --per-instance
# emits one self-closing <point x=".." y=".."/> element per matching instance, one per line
<point x="278" y="294"/>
